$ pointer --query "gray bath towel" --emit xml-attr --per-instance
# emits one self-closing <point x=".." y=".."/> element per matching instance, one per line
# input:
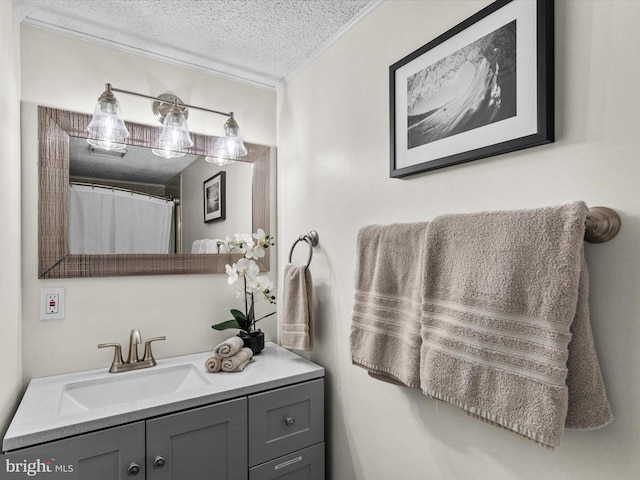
<point x="505" y="322"/>
<point x="297" y="321"/>
<point x="385" y="328"/>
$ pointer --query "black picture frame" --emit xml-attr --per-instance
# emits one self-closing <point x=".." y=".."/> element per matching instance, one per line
<point x="215" y="198"/>
<point x="498" y="111"/>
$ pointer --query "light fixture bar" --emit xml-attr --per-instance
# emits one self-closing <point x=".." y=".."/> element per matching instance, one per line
<point x="108" y="126"/>
<point x="180" y="104"/>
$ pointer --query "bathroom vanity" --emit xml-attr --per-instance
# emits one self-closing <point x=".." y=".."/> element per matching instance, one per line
<point x="176" y="421"/>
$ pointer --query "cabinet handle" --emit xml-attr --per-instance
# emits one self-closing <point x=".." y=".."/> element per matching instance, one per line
<point x="133" y="470"/>
<point x="290" y="421"/>
<point x="159" y="462"/>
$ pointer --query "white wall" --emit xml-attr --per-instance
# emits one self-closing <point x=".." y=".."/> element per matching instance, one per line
<point x="333" y="145"/>
<point x="10" y="345"/>
<point x="66" y="73"/>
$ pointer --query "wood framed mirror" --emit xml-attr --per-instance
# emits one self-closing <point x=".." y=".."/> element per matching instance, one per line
<point x="55" y="127"/>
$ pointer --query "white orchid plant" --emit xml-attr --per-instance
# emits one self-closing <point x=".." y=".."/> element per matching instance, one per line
<point x="246" y="270"/>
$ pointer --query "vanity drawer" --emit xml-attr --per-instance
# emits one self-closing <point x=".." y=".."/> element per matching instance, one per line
<point x="305" y="464"/>
<point x="285" y="420"/>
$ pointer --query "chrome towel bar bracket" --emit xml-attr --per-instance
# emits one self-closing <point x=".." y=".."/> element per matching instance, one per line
<point x="602" y="224"/>
<point x="312" y="239"/>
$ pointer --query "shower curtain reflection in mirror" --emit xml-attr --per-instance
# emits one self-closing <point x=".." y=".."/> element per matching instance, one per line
<point x="104" y="221"/>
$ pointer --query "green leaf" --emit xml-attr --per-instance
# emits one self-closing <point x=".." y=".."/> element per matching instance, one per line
<point x="226" y="325"/>
<point x="267" y="315"/>
<point x="241" y="319"/>
<point x="252" y="314"/>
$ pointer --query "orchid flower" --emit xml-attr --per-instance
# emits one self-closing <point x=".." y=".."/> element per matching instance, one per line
<point x="247" y="268"/>
<point x="254" y="250"/>
<point x="232" y="271"/>
<point x="253" y="247"/>
<point x="262" y="238"/>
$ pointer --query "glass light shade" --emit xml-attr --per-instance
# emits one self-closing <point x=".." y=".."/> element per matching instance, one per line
<point x="166" y="153"/>
<point x="107" y="124"/>
<point x="230" y="146"/>
<point x="106" y="145"/>
<point x="175" y="133"/>
<point x="219" y="161"/>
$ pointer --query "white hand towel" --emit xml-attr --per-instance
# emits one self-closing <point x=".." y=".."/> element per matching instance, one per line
<point x="237" y="362"/>
<point x="213" y="364"/>
<point x="297" y="321"/>
<point x="229" y="347"/>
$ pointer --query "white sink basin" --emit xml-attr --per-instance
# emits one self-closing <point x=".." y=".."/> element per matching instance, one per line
<point x="128" y="387"/>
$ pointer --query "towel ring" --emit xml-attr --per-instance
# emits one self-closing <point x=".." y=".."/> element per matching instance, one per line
<point x="312" y="240"/>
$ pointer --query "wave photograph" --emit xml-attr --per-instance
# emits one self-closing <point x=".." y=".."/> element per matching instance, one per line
<point x="472" y="87"/>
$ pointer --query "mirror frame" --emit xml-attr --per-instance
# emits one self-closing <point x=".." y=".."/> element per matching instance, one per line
<point x="54" y="260"/>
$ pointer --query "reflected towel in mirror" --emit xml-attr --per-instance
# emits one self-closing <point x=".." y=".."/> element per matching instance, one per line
<point x="205" y="245"/>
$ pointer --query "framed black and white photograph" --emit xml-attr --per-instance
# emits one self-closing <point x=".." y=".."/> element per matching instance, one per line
<point x="483" y="88"/>
<point x="215" y="198"/>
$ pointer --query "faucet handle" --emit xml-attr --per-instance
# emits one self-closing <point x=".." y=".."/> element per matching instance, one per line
<point x="117" y="355"/>
<point x="148" y="355"/>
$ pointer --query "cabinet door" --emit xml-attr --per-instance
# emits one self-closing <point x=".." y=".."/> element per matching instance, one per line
<point x="208" y="443"/>
<point x="113" y="454"/>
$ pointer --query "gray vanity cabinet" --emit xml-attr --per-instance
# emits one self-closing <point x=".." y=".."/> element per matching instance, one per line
<point x="112" y="454"/>
<point x="277" y="434"/>
<point x="207" y="443"/>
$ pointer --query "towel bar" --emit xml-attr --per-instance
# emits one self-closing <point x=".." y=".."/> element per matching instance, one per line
<point x="312" y="240"/>
<point x="602" y="225"/>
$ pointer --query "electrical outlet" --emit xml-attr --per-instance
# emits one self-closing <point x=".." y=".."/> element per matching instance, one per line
<point x="51" y="303"/>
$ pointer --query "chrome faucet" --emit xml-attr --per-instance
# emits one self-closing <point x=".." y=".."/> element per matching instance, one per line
<point x="133" y="360"/>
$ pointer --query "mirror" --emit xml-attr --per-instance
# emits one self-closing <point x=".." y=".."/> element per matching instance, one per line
<point x="62" y="134"/>
<point x="132" y="201"/>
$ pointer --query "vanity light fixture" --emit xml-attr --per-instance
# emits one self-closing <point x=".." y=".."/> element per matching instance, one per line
<point x="111" y="131"/>
<point x="107" y="124"/>
<point x="175" y="133"/>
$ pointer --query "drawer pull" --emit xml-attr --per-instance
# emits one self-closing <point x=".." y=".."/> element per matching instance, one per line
<point x="133" y="470"/>
<point x="286" y="464"/>
<point x="159" y="462"/>
<point x="290" y="421"/>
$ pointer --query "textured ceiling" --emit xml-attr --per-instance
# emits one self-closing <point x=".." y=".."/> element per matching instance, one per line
<point x="262" y="42"/>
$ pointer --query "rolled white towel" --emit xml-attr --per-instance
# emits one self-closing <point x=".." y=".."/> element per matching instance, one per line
<point x="213" y="364"/>
<point x="237" y="362"/>
<point x="240" y="367"/>
<point x="229" y="347"/>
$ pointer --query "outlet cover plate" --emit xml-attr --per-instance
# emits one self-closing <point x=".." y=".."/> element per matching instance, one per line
<point x="44" y="293"/>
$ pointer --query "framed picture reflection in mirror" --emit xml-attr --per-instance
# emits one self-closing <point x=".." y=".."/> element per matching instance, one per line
<point x="214" y="194"/>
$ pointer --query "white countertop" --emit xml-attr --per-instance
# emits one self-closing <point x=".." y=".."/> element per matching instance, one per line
<point x="40" y="418"/>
